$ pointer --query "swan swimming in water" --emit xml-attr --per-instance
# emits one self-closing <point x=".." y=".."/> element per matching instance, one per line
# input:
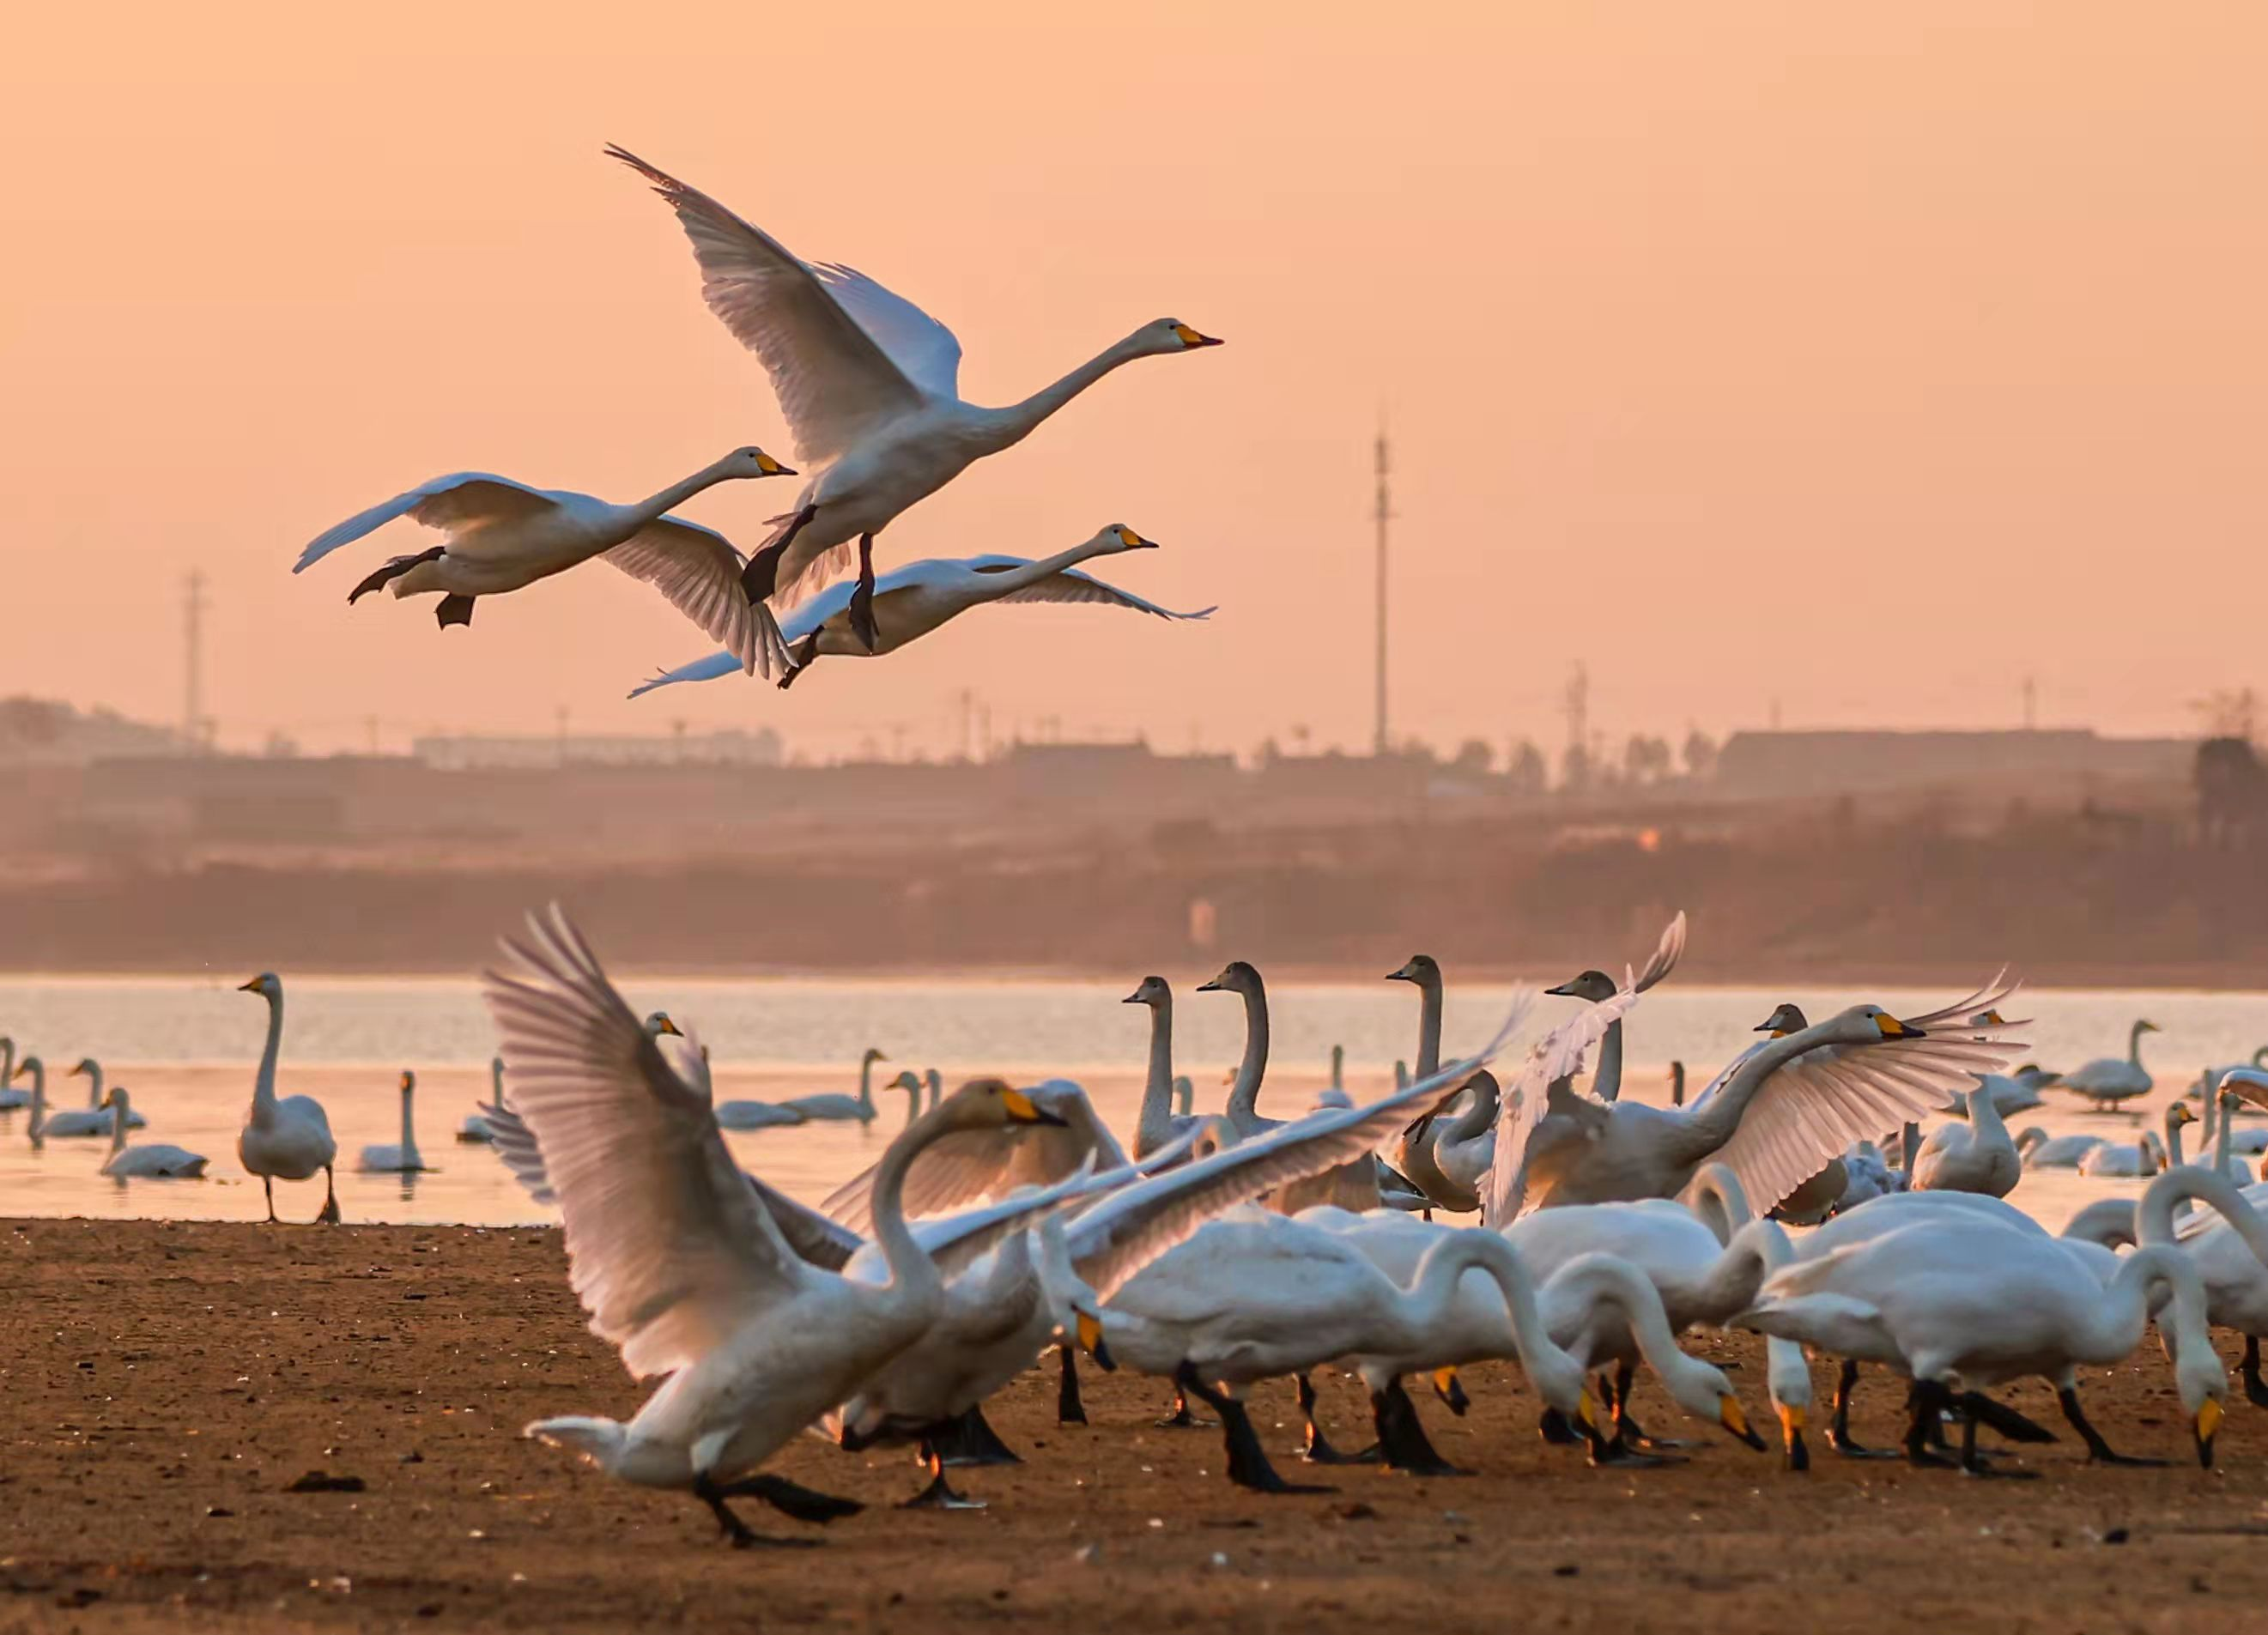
<point x="286" y="1138"/>
<point x="153" y="1160"/>
<point x="677" y="1262"/>
<point x="402" y="1157"/>
<point x="870" y="386"/>
<point x="78" y="1120"/>
<point x="476" y="1127"/>
<point x="90" y="1070"/>
<point x="833" y="1106"/>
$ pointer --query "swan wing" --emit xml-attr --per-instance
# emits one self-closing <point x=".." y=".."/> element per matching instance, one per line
<point x="927" y="352"/>
<point x="1831" y="1097"/>
<point x="451" y="503"/>
<point x="699" y="572"/>
<point x="1072" y="586"/>
<point x="515" y="1147"/>
<point x="1542" y="1090"/>
<point x="1665" y="955"/>
<point x="667" y="1247"/>
<point x="973" y="1166"/>
<point x="835" y="383"/>
<point x="1115" y="1239"/>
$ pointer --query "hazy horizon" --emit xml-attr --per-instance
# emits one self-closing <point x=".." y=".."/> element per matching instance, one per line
<point x="1749" y="353"/>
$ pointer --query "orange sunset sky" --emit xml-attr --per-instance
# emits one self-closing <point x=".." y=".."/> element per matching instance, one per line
<point x="1868" y="357"/>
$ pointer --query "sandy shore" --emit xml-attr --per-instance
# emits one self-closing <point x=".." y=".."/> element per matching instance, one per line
<point x="162" y="1384"/>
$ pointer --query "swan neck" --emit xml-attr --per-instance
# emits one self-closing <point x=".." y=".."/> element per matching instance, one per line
<point x="117" y="1117"/>
<point x="913" y="1274"/>
<point x="1244" y="1094"/>
<point x="263" y="1082"/>
<point x="655" y="506"/>
<point x="1712" y="1122"/>
<point x="409" y="1129"/>
<point x="2153" y="1222"/>
<point x="1429" y="1027"/>
<point x="1019" y="421"/>
<point x="992" y="587"/>
<point x="93" y="1085"/>
<point x="1985" y="1115"/>
<point x="1155" y="1125"/>
<point x="866" y="1086"/>
<point x="2134" y="1045"/>
<point x="1478" y="1117"/>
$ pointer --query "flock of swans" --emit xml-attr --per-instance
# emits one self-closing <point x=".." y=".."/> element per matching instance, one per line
<point x="869" y="386"/>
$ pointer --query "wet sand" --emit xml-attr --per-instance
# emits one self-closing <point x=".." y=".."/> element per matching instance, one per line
<point x="161" y="1384"/>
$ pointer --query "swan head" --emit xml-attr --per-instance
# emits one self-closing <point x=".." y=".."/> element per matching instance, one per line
<point x="1117" y="537"/>
<point x="30" y="1066"/>
<point x="753" y="462"/>
<point x="1784" y="1021"/>
<point x="1594" y="986"/>
<point x="1236" y="977"/>
<point x="2146" y="1027"/>
<point x="408" y="1081"/>
<point x="1170" y="335"/>
<point x="2179" y="1116"/>
<point x="267" y="985"/>
<point x="905" y="1081"/>
<point x="1865" y="1024"/>
<point x="657" y="1024"/>
<point x="1421" y="969"/>
<point x="1152" y="991"/>
<point x="2245" y="1083"/>
<point x="86" y="1068"/>
<point x="995" y="1104"/>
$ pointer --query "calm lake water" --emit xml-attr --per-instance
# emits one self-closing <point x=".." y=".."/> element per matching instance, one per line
<point x="186" y="1049"/>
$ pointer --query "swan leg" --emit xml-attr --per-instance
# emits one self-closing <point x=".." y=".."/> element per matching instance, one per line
<point x="2256" y="1391"/>
<point x="968" y="1439"/>
<point x="862" y="599"/>
<point x="1181" y="1418"/>
<point x="268" y="1182"/>
<point x="454" y="610"/>
<point x="1627" y="1429"/>
<point x="1402" y="1443"/>
<point x="1838" y="1428"/>
<point x="393" y="570"/>
<point x="1552" y="1426"/>
<point x="1248" y="1461"/>
<point x="791" y="1498"/>
<point x="761" y="577"/>
<point x="329" y="1216"/>
<point x="940" y="1494"/>
<point x="1926" y="1404"/>
<point x="1069" y="1409"/>
<point x="731" y="1526"/>
<point x="1973" y="1464"/>
<point x="2098" y="1451"/>
<point x="1317" y="1449"/>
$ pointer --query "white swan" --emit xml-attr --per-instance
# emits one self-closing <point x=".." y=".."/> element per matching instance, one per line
<point x="1052" y="1280"/>
<point x="914" y="600"/>
<point x="834" y="1106"/>
<point x="90" y="1070"/>
<point x="678" y="1264"/>
<point x="869" y="385"/>
<point x="750" y="1115"/>
<point x="1157" y="1123"/>
<point x="286" y="1139"/>
<point x="2210" y="1078"/>
<point x="2042" y="1151"/>
<point x="10" y="1098"/>
<point x="476" y="1127"/>
<point x="2108" y="1080"/>
<point x="78" y="1120"/>
<point x="403" y="1158"/>
<point x="973" y="1167"/>
<point x="503" y="536"/>
<point x="1239" y="978"/>
<point x="1975" y="1156"/>
<point x="2220" y="1128"/>
<point x="155" y="1160"/>
<point x="1786" y="1108"/>
<point x="1960" y="1311"/>
<point x="2145" y="1157"/>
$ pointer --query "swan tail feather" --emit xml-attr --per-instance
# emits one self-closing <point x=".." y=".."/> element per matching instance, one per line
<point x="599" y="1441"/>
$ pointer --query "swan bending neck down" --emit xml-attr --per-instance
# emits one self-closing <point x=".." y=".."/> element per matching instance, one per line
<point x="676" y="1260"/>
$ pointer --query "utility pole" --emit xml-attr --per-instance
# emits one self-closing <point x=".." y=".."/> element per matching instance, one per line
<point x="1577" y="703"/>
<point x="2032" y="703"/>
<point x="192" y="690"/>
<point x="1384" y="514"/>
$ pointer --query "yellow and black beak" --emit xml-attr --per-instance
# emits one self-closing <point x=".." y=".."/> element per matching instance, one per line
<point x="771" y="467"/>
<point x="1023" y="1110"/>
<point x="1451" y="1390"/>
<point x="662" y="1024"/>
<point x="1993" y="1018"/>
<point x="1090" y="1339"/>
<point x="1795" y="1455"/>
<point x="1586" y="1411"/>
<point x="252" y="986"/>
<point x="1190" y="337"/>
<point x="1730" y="1415"/>
<point x="1893" y="1029"/>
<point x="2208" y="1424"/>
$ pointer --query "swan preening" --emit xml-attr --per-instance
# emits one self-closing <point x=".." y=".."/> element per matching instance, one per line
<point x="503" y="536"/>
<point x="912" y="602"/>
<point x="869" y="385"/>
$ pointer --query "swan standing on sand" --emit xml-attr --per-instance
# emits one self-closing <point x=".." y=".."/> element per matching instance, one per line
<point x="914" y="600"/>
<point x="286" y="1139"/>
<point x="91" y="1070"/>
<point x="78" y="1120"/>
<point x="833" y="1106"/>
<point x="1787" y="1107"/>
<point x="869" y="385"/>
<point x="476" y="1127"/>
<point x="503" y="536"/>
<point x="1975" y="1156"/>
<point x="678" y="1265"/>
<point x="2108" y="1080"/>
<point x="403" y="1159"/>
<point x="155" y="1160"/>
<point x="1959" y="1310"/>
<point x="1157" y="1123"/>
